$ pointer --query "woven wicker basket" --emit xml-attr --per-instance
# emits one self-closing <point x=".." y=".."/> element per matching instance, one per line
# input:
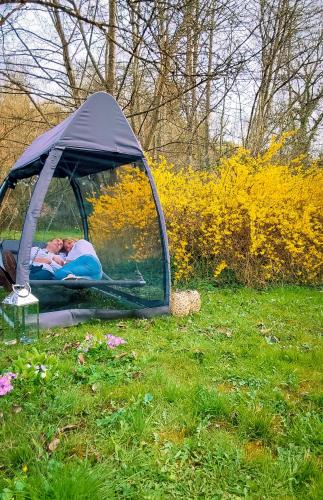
<point x="185" y="302"/>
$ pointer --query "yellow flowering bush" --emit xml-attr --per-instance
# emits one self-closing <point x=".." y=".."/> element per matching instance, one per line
<point x="258" y="218"/>
<point x="254" y="216"/>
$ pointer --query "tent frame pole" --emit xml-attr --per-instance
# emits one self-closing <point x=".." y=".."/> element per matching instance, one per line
<point x="80" y="203"/>
<point x="33" y="213"/>
<point x="163" y="232"/>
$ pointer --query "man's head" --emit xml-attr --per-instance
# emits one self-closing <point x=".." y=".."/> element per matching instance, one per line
<point x="68" y="244"/>
<point x="55" y="245"/>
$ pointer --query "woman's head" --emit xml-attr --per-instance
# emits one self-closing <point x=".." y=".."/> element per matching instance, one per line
<point x="55" y="245"/>
<point x="68" y="244"/>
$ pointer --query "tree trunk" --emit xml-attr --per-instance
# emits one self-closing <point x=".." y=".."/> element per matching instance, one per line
<point x="208" y="91"/>
<point x="66" y="55"/>
<point x="111" y="49"/>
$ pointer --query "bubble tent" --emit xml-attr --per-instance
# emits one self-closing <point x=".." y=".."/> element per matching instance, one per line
<point x="88" y="178"/>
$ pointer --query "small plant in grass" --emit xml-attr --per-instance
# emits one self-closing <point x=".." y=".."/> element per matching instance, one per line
<point x="36" y="366"/>
<point x="98" y="341"/>
<point x="100" y="348"/>
<point x="112" y="419"/>
<point x="131" y="417"/>
<point x="244" y="382"/>
<point x="16" y="490"/>
<point x="112" y="372"/>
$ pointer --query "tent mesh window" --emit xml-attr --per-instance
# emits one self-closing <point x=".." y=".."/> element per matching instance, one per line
<point x="115" y="210"/>
<point x="59" y="216"/>
<point x="13" y="211"/>
<point x="124" y="227"/>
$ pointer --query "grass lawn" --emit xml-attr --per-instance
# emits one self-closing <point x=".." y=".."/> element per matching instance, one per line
<point x="222" y="404"/>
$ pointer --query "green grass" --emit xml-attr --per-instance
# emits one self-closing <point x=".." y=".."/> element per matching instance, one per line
<point x="42" y="235"/>
<point x="223" y="404"/>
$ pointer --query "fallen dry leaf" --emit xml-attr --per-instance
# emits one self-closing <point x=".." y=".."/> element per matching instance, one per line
<point x="70" y="345"/>
<point x="121" y="355"/>
<point x="68" y="427"/>
<point x="53" y="444"/>
<point x="42" y="438"/>
<point x="226" y="331"/>
<point x="263" y="329"/>
<point x="95" y="455"/>
<point x="122" y="324"/>
<point x="16" y="408"/>
<point x="81" y="359"/>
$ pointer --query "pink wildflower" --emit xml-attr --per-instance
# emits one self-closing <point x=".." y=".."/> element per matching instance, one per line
<point x="113" y="341"/>
<point x="5" y="384"/>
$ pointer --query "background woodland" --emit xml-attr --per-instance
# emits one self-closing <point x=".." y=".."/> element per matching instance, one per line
<point x="206" y="86"/>
<point x="195" y="78"/>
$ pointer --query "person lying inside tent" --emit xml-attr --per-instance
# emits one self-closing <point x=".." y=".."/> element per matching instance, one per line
<point x="81" y="261"/>
<point x="45" y="261"/>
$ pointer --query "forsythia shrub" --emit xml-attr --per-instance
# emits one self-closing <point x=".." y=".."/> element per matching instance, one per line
<point x="260" y="219"/>
<point x="255" y="217"/>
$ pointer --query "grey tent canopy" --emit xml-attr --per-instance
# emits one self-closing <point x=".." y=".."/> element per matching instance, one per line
<point x="87" y="178"/>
